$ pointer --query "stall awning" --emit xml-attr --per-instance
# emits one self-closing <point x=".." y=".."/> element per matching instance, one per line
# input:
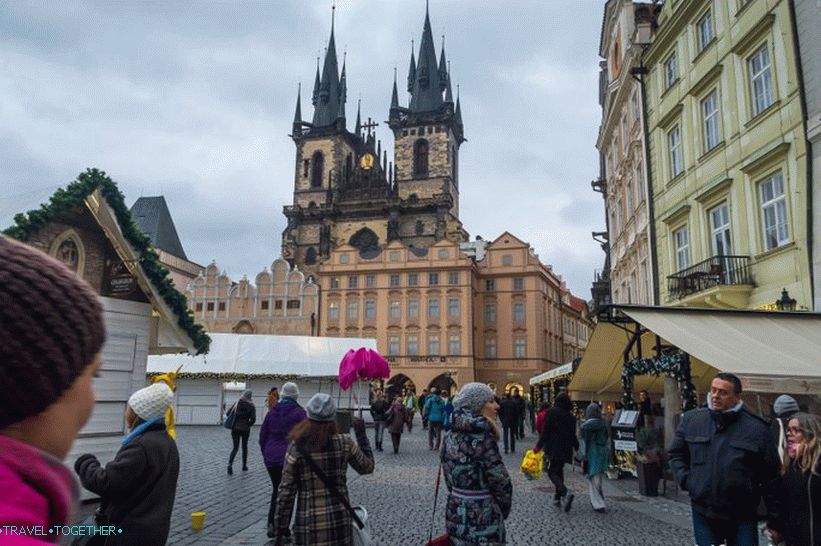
<point x="261" y="355"/>
<point x="770" y="351"/>
<point x="564" y="369"/>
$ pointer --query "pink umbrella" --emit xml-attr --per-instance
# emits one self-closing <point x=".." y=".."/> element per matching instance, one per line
<point x="364" y="364"/>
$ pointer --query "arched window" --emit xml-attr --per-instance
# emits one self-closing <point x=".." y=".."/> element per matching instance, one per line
<point x="68" y="248"/>
<point x="420" y="158"/>
<point x="69" y="254"/>
<point x="310" y="256"/>
<point x="317" y="168"/>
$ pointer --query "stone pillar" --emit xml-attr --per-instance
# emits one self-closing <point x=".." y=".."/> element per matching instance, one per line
<point x="672" y="408"/>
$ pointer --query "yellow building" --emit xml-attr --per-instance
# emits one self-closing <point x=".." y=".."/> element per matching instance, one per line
<point x="727" y="148"/>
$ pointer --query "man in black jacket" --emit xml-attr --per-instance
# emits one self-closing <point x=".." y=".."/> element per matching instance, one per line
<point x="558" y="439"/>
<point x="509" y="415"/>
<point x="521" y="407"/>
<point x="725" y="458"/>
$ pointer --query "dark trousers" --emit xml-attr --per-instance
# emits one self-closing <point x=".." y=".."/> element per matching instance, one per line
<point x="275" y="473"/>
<point x="509" y="434"/>
<point x="708" y="531"/>
<point x="236" y="436"/>
<point x="378" y="433"/>
<point x="555" y="471"/>
<point x="409" y="420"/>
<point x="424" y="421"/>
<point x="395" y="437"/>
<point x="522" y="427"/>
<point x="434" y="434"/>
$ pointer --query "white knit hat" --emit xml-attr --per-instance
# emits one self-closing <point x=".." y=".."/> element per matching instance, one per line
<point x="152" y="401"/>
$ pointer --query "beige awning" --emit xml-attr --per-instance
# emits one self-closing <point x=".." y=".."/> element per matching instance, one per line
<point x="769" y="351"/>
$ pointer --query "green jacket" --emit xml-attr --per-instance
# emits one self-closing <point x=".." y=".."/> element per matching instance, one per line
<point x="594" y="434"/>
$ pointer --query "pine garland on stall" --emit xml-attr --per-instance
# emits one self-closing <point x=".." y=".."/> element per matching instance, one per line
<point x="675" y="365"/>
<point x="63" y="200"/>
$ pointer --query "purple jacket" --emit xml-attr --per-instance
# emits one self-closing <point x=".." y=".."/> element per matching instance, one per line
<point x="273" y="436"/>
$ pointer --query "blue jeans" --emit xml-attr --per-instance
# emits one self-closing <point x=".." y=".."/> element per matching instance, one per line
<point x="712" y="532"/>
<point x="378" y="432"/>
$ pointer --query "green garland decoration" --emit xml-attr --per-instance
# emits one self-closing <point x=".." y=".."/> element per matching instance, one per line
<point x="63" y="200"/>
<point x="675" y="365"/>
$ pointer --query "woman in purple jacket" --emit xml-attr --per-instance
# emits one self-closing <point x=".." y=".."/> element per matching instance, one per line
<point x="273" y="439"/>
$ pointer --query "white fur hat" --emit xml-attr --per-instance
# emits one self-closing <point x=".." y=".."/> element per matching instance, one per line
<point x="152" y="401"/>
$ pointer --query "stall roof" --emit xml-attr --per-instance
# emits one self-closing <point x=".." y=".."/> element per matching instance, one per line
<point x="769" y="351"/>
<point x="550" y="374"/>
<point x="263" y="355"/>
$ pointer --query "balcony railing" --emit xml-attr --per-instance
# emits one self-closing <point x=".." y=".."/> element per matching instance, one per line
<point x="715" y="271"/>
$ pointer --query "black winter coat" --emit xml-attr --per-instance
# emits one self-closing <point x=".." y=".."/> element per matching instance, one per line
<point x="727" y="462"/>
<point x="137" y="488"/>
<point x="509" y="412"/>
<point x="800" y="507"/>
<point x="246" y="415"/>
<point x="558" y="437"/>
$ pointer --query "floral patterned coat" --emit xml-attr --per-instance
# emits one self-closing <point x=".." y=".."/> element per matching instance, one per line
<point x="321" y="520"/>
<point x="480" y="492"/>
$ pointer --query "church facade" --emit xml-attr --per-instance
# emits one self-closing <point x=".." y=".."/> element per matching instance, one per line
<point x="346" y="192"/>
<point x="374" y="248"/>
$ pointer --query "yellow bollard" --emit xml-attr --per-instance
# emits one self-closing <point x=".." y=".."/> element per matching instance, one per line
<point x="197" y="520"/>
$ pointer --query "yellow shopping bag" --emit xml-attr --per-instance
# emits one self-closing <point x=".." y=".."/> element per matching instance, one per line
<point x="532" y="465"/>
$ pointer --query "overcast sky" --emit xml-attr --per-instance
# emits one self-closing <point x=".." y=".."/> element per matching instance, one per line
<point x="193" y="100"/>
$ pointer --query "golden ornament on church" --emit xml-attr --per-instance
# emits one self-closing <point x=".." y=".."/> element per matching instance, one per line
<point x="367" y="161"/>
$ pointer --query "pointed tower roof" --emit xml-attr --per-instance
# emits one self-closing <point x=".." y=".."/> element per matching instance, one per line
<point x="448" y="90"/>
<point x="426" y="95"/>
<point x="298" y="113"/>
<point x="315" y="98"/>
<point x="327" y="106"/>
<point x="443" y="68"/>
<point x="395" y="94"/>
<point x="358" y="129"/>
<point x="411" y="70"/>
<point x="343" y="90"/>
<point x="458" y="112"/>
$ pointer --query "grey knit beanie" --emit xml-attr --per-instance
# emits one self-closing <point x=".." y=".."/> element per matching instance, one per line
<point x="785" y="405"/>
<point x="472" y="397"/>
<point x="321" y="407"/>
<point x="51" y="328"/>
<point x="290" y="390"/>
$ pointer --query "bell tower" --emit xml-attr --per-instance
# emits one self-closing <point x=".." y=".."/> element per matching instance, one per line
<point x="429" y="131"/>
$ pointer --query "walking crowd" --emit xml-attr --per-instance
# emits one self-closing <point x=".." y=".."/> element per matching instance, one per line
<point x="737" y="467"/>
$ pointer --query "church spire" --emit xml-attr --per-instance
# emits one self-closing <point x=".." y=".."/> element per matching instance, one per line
<point x="443" y="68"/>
<point x="412" y="70"/>
<point x="343" y="89"/>
<point x="395" y="94"/>
<point x="315" y="99"/>
<point x="330" y="94"/>
<point x="298" y="113"/>
<point x="426" y="95"/>
<point x="358" y="129"/>
<point x="458" y="113"/>
<point x="448" y="90"/>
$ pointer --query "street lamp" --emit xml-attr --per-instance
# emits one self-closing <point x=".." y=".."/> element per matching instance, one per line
<point x="785" y="303"/>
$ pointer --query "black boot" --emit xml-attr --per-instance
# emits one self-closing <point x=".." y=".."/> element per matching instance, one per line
<point x="230" y="470"/>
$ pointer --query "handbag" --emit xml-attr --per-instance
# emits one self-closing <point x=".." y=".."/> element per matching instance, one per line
<point x="361" y="529"/>
<point x="230" y="417"/>
<point x="441" y="540"/>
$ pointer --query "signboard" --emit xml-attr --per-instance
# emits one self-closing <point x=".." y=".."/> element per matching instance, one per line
<point x="120" y="281"/>
<point x="625" y="445"/>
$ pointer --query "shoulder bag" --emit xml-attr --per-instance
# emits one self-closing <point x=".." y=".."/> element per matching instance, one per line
<point x="361" y="530"/>
<point x="230" y="417"/>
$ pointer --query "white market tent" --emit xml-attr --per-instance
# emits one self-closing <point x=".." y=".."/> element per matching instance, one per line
<point x="564" y="369"/>
<point x="260" y="361"/>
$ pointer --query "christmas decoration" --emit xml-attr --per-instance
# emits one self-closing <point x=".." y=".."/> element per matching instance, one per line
<point x="72" y="196"/>
<point x="675" y="365"/>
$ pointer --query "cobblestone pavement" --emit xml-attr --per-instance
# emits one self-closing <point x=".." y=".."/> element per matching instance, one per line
<point x="399" y="498"/>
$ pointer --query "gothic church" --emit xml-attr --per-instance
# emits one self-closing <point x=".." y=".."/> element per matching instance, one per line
<point x="345" y="189"/>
